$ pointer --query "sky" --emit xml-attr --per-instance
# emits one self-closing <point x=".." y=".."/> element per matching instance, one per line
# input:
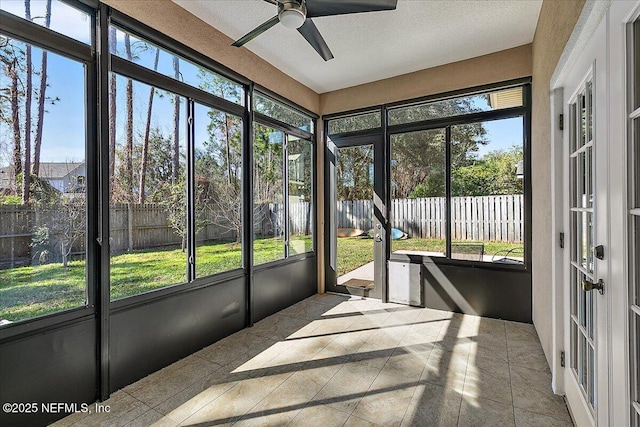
<point x="64" y="122"/>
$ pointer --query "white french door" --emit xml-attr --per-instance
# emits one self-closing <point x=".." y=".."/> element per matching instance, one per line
<point x="586" y="274"/>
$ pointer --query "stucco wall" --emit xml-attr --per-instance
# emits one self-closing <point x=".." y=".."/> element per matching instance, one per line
<point x="184" y="27"/>
<point x="495" y="67"/>
<point x="555" y="24"/>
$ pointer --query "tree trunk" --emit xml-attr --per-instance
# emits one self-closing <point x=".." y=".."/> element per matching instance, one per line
<point x="112" y="106"/>
<point x="63" y="251"/>
<point x="128" y="187"/>
<point x="26" y="170"/>
<point x="227" y="121"/>
<point x="147" y="131"/>
<point x="15" y="118"/>
<point x="37" y="144"/>
<point x="175" y="160"/>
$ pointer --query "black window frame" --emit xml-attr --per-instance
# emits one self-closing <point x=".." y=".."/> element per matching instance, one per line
<point x="386" y="130"/>
<point x="99" y="63"/>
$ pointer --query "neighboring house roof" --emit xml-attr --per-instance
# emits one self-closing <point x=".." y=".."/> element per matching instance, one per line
<point x="58" y="170"/>
<point x="48" y="170"/>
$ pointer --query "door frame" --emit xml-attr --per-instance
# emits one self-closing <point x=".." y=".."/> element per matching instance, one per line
<point x="617" y="15"/>
<point x="375" y="138"/>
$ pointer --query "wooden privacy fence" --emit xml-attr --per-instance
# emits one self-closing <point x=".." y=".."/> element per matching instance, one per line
<point x="485" y="218"/>
<point x="138" y="227"/>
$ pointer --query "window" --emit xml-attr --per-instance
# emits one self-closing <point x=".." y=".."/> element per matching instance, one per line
<point x="300" y="195"/>
<point x="487" y="195"/>
<point x="457" y="187"/>
<point x="418" y="192"/>
<point x="265" y="105"/>
<point x="42" y="213"/>
<point x="268" y="195"/>
<point x="218" y="191"/>
<point x="355" y="123"/>
<point x="283" y="208"/>
<point x="146" y="54"/>
<point x="496" y="100"/>
<point x="148" y="189"/>
<point x="55" y="15"/>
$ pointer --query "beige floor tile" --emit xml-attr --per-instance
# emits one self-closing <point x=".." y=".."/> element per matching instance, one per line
<point x="532" y="391"/>
<point x="432" y="405"/>
<point x="354" y="421"/>
<point x="476" y="412"/>
<point x="408" y="362"/>
<point x="525" y="418"/>
<point x="160" y="386"/>
<point x="231" y="405"/>
<point x="152" y="418"/>
<point x="319" y="415"/>
<point x="334" y="360"/>
<point x="278" y="408"/>
<point x="387" y="399"/>
<point x="480" y="383"/>
<point x="189" y="401"/>
<point x="121" y="412"/>
<point x="347" y="387"/>
<point x="445" y="368"/>
<point x="527" y="353"/>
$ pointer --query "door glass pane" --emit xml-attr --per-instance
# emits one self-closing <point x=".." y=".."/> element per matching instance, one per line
<point x="635" y="261"/>
<point x="354" y="216"/>
<point x="418" y="180"/>
<point x="218" y="190"/>
<point x="636" y="338"/>
<point x="268" y="195"/>
<point x="582" y="301"/>
<point x="591" y="374"/>
<point x="589" y="107"/>
<point x="636" y="61"/>
<point x="487" y="188"/>
<point x="42" y="219"/>
<point x="582" y="119"/>
<point x="300" y="185"/>
<point x="148" y="198"/>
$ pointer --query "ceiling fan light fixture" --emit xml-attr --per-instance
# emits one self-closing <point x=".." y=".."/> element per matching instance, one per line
<point x="292" y="15"/>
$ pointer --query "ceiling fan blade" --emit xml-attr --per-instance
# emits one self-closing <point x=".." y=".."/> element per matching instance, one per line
<point x="256" y="32"/>
<point x="310" y="32"/>
<point x="316" y="8"/>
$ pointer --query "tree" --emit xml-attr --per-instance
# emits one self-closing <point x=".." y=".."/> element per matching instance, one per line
<point x="176" y="125"/>
<point x="27" y="115"/>
<point x="37" y="144"/>
<point x="113" y="42"/>
<point x="128" y="160"/>
<point x="12" y="57"/>
<point x="493" y="174"/>
<point x="60" y="221"/>
<point x="145" y="142"/>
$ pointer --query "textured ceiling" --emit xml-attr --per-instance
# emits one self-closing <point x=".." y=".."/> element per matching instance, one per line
<point x="372" y="46"/>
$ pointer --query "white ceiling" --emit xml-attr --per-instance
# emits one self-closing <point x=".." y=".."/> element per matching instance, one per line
<point x="372" y="46"/>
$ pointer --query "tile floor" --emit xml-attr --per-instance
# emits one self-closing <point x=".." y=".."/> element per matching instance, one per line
<point x="336" y="361"/>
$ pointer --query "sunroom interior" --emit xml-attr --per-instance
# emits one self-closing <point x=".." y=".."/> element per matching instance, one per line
<point x="358" y="223"/>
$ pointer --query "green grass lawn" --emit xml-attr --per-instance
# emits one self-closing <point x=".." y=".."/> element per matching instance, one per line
<point x="354" y="252"/>
<point x="31" y="291"/>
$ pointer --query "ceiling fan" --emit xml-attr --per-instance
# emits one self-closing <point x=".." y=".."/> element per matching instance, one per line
<point x="298" y="14"/>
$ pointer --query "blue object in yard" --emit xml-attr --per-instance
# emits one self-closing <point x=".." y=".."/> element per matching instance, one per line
<point x="396" y="234"/>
